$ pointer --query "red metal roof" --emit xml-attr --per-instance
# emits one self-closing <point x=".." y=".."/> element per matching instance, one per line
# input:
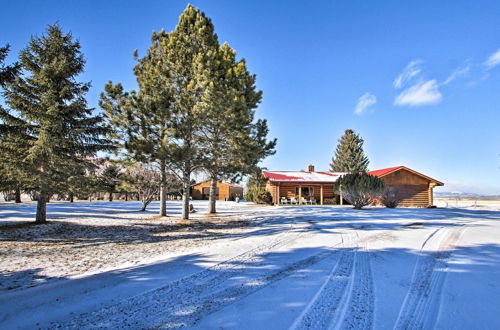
<point x="385" y="171"/>
<point x="277" y="176"/>
<point x="324" y="177"/>
<point x="327" y="173"/>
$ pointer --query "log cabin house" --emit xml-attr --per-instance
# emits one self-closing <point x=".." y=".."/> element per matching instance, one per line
<point x="416" y="187"/>
<point x="225" y="191"/>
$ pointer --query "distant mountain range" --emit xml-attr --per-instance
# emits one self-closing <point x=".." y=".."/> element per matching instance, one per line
<point x="464" y="195"/>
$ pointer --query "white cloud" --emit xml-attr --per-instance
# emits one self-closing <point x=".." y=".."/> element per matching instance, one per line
<point x="422" y="93"/>
<point x="493" y="60"/>
<point x="457" y="73"/>
<point x="364" y="102"/>
<point x="410" y="71"/>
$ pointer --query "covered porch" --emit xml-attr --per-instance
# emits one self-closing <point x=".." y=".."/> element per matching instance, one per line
<point x="287" y="193"/>
<point x="302" y="187"/>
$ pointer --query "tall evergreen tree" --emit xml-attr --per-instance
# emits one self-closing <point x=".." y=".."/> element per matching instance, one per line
<point x="232" y="143"/>
<point x="186" y="53"/>
<point x="7" y="72"/>
<point x="193" y="109"/>
<point x="8" y="180"/>
<point x="109" y="179"/>
<point x="349" y="155"/>
<point x="141" y="120"/>
<point x="52" y="129"/>
<point x="161" y="122"/>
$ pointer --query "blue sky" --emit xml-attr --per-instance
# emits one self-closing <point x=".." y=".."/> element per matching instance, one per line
<point x="419" y="80"/>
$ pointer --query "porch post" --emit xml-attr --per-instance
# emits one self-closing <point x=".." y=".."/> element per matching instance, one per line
<point x="341" y="198"/>
<point x="278" y="200"/>
<point x="300" y="194"/>
<point x="321" y="194"/>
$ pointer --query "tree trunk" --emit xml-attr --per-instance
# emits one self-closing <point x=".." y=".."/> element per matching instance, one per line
<point x="144" y="205"/>
<point x="126" y="196"/>
<point x="185" y="194"/>
<point x="18" y="195"/>
<point x="110" y="196"/>
<point x="163" y="190"/>
<point x="41" y="208"/>
<point x="71" y="197"/>
<point x="213" y="195"/>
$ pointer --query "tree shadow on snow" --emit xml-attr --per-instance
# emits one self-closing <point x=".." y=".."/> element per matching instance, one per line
<point x="24" y="278"/>
<point x="400" y="218"/>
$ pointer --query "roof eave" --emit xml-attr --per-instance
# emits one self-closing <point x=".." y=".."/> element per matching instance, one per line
<point x="301" y="181"/>
<point x="438" y="183"/>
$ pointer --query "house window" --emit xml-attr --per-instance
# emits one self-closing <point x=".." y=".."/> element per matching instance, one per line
<point x="306" y="191"/>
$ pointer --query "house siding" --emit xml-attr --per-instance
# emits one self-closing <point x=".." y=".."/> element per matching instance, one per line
<point x="417" y="189"/>
<point x="225" y="191"/>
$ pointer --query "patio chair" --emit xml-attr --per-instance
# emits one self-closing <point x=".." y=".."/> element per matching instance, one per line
<point x="284" y="201"/>
<point x="304" y="201"/>
<point x="313" y="201"/>
<point x="293" y="201"/>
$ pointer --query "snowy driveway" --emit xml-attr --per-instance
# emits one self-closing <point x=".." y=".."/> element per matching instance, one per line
<point x="293" y="267"/>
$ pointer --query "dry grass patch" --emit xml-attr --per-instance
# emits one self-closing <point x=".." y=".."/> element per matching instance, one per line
<point x="31" y="253"/>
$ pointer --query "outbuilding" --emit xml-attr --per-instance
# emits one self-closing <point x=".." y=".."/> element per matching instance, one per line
<point x="225" y="191"/>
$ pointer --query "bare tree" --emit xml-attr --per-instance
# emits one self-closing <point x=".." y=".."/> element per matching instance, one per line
<point x="144" y="179"/>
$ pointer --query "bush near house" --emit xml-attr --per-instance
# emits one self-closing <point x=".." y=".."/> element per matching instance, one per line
<point x="256" y="190"/>
<point x="391" y="197"/>
<point x="360" y="189"/>
<point x="259" y="196"/>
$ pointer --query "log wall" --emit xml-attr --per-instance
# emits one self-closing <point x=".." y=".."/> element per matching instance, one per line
<point x="225" y="191"/>
<point x="416" y="189"/>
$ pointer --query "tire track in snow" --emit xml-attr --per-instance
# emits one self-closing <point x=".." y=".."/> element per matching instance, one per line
<point x="320" y="311"/>
<point x="346" y="298"/>
<point x="149" y="307"/>
<point x="194" y="310"/>
<point x="421" y="305"/>
<point x="360" y="306"/>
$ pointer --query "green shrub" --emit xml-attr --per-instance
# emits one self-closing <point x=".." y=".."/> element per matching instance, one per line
<point x="256" y="190"/>
<point x="360" y="189"/>
<point x="258" y="195"/>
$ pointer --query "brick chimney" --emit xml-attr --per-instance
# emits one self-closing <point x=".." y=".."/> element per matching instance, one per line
<point x="310" y="168"/>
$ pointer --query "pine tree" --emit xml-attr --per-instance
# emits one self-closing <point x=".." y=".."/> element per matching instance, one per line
<point x="83" y="182"/>
<point x="140" y="120"/>
<point x="109" y="179"/>
<point x="187" y="52"/>
<point x="52" y="130"/>
<point x="9" y="179"/>
<point x="163" y="120"/>
<point x="256" y="189"/>
<point x="7" y="72"/>
<point x="232" y="143"/>
<point x="349" y="155"/>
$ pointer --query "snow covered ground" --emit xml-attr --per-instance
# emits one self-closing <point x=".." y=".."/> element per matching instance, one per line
<point x="106" y="265"/>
